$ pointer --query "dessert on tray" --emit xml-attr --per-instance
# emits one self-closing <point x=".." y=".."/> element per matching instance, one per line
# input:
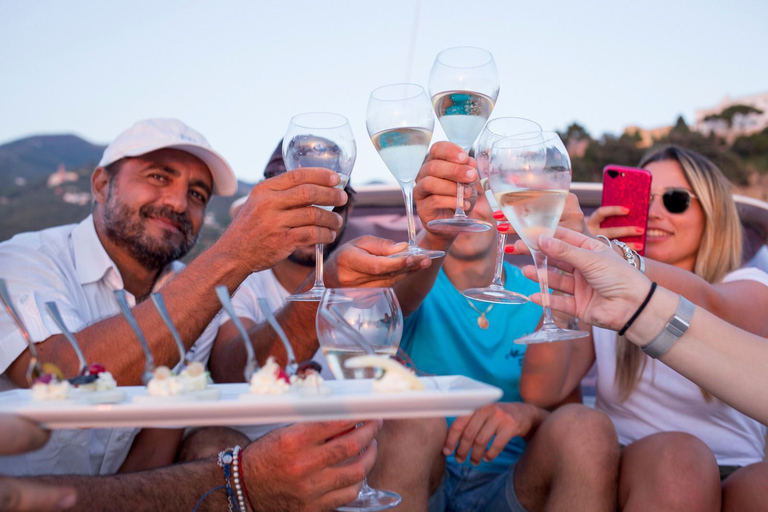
<point x="395" y="377"/>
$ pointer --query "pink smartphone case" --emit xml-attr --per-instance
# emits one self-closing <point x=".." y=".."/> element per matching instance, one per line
<point x="629" y="187"/>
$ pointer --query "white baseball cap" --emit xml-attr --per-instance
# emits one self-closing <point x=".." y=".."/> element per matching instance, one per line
<point x="153" y="134"/>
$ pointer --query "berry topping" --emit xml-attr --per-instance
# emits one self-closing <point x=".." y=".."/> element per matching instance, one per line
<point x="46" y="378"/>
<point x="52" y="369"/>
<point x="95" y="369"/>
<point x="284" y="376"/>
<point x="309" y="366"/>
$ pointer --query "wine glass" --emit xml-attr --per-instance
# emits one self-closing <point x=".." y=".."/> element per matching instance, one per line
<point x="319" y="139"/>
<point x="375" y="316"/>
<point x="464" y="85"/>
<point x="497" y="129"/>
<point x="400" y="123"/>
<point x="530" y="175"/>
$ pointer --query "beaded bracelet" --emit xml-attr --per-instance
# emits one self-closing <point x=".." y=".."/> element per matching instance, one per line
<point x="238" y="480"/>
<point x="226" y="458"/>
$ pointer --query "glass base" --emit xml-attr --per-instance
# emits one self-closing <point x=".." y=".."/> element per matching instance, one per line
<point x="372" y="501"/>
<point x="314" y="294"/>
<point x="495" y="295"/>
<point x="552" y="334"/>
<point x="415" y="250"/>
<point x="458" y="224"/>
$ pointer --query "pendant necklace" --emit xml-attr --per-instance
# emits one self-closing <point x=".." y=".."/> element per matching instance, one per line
<point x="482" y="321"/>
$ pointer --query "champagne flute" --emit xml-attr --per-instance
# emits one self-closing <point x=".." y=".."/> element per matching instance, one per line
<point x="464" y="85"/>
<point x="530" y="175"/>
<point x="319" y="139"/>
<point x="400" y="123"/>
<point x="376" y="316"/>
<point x="494" y="130"/>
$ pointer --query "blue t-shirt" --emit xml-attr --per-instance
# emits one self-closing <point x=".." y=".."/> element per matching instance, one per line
<point x="443" y="338"/>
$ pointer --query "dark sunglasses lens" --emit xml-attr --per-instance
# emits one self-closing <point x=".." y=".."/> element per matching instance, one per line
<point x="676" y="201"/>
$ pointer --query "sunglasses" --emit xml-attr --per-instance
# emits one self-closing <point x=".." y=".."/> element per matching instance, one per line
<point x="676" y="200"/>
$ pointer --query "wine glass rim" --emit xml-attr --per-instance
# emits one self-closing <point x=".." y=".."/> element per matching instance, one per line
<point x="440" y="57"/>
<point x="545" y="137"/>
<point x="297" y="120"/>
<point x="418" y="90"/>
<point x="508" y="118"/>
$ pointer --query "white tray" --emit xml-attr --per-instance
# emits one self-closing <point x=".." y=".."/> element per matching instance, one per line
<point x="350" y="399"/>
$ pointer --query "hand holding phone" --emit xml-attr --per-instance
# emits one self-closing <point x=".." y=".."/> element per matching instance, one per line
<point x="624" y="211"/>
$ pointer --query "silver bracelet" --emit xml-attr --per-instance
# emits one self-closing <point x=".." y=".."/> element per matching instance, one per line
<point x="628" y="253"/>
<point x="676" y="327"/>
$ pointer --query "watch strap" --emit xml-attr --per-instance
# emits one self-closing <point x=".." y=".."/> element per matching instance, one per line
<point x="676" y="327"/>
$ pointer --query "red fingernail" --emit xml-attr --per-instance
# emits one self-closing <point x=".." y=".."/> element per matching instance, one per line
<point x="502" y="227"/>
<point x="498" y="215"/>
<point x="509" y="249"/>
<point x="639" y="230"/>
<point x="624" y="209"/>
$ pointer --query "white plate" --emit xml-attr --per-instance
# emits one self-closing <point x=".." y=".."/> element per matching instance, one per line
<point x="350" y="399"/>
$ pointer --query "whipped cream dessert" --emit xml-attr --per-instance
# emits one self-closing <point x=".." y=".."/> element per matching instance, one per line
<point x="104" y="382"/>
<point x="396" y="377"/>
<point x="50" y="389"/>
<point x="165" y="383"/>
<point x="271" y="379"/>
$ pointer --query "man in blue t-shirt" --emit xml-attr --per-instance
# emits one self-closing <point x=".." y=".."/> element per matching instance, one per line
<point x="509" y="455"/>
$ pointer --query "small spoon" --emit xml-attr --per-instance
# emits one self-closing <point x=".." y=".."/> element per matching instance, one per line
<point x="292" y="365"/>
<point x="250" y="364"/>
<point x="159" y="303"/>
<point x="149" y="366"/>
<point x="34" y="362"/>
<point x="81" y="378"/>
<point x="333" y="317"/>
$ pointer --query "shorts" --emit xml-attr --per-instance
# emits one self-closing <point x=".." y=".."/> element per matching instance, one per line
<point x="467" y="489"/>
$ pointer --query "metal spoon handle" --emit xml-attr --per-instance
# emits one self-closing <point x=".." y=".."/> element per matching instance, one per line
<point x="159" y="303"/>
<point x="338" y="321"/>
<point x="53" y="310"/>
<point x="292" y="365"/>
<point x="149" y="366"/>
<point x="250" y="364"/>
<point x="8" y="303"/>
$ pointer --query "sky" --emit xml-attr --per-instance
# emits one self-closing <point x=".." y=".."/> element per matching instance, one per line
<point x="238" y="70"/>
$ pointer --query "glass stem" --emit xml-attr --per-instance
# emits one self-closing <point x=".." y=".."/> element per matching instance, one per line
<point x="407" y="189"/>
<point x="540" y="260"/>
<point x="319" y="266"/>
<point x="365" y="490"/>
<point x="459" y="200"/>
<point x="501" y="241"/>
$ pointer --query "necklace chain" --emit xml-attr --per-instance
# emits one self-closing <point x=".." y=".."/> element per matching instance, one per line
<point x="482" y="320"/>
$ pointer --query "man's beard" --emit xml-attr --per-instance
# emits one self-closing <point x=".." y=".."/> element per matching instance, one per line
<point x="308" y="260"/>
<point x="128" y="232"/>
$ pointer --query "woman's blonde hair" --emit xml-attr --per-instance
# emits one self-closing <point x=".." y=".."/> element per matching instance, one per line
<point x="718" y="254"/>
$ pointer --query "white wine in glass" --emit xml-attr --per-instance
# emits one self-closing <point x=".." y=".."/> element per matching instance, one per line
<point x="464" y="86"/>
<point x="374" y="317"/>
<point x="530" y="175"/>
<point x="319" y="139"/>
<point x="400" y="122"/>
<point x="494" y="130"/>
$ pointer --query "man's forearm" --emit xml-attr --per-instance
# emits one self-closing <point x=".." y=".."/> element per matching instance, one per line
<point x="177" y="487"/>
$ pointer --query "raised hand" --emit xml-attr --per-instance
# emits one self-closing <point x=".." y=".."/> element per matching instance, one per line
<point x="499" y="422"/>
<point x="435" y="191"/>
<point x="364" y="262"/>
<point x="309" y="466"/>
<point x="602" y="213"/>
<point x="602" y="289"/>
<point x="279" y="217"/>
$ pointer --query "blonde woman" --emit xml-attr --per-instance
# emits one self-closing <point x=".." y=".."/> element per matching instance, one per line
<point x="679" y="442"/>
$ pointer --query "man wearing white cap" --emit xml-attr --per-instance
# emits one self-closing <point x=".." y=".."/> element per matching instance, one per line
<point x="150" y="193"/>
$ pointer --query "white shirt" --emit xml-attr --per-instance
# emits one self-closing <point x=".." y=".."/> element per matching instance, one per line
<point x="69" y="266"/>
<point x="265" y="285"/>
<point x="666" y="401"/>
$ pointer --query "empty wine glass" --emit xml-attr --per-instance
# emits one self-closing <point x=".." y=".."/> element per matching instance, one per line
<point x="319" y="139"/>
<point x="530" y="175"/>
<point x="400" y="123"/>
<point x="494" y="130"/>
<point x="375" y="315"/>
<point x="464" y="85"/>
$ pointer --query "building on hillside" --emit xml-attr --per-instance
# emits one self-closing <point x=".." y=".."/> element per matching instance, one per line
<point x="647" y="137"/>
<point x="61" y="176"/>
<point x="708" y="120"/>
